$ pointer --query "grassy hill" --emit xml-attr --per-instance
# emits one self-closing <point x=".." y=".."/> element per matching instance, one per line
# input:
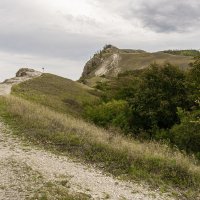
<point x="111" y="61"/>
<point x="58" y="93"/>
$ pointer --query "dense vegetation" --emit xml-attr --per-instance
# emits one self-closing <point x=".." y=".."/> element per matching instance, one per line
<point x="161" y="102"/>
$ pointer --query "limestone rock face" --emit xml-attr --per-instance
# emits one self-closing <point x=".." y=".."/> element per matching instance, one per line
<point x="102" y="62"/>
<point x="26" y="72"/>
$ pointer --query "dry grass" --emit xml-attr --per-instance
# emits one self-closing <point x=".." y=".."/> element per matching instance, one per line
<point x="150" y="161"/>
<point x="51" y="191"/>
<point x="131" y="62"/>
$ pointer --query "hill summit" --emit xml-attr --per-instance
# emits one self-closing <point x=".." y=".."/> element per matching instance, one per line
<point x="27" y="72"/>
<point x="107" y="61"/>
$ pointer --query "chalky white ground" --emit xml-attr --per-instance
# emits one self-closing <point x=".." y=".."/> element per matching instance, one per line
<point x="25" y="168"/>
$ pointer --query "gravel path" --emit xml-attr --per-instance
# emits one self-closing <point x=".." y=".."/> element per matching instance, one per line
<point x="5" y="87"/>
<point x="22" y="165"/>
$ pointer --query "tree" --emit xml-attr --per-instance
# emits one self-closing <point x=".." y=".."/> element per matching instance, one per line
<point x="186" y="135"/>
<point x="194" y="80"/>
<point x="162" y="90"/>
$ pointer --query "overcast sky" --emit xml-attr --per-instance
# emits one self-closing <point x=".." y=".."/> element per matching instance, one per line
<point x="61" y="35"/>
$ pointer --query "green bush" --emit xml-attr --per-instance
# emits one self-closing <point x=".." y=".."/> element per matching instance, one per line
<point x="161" y="91"/>
<point x="186" y="135"/>
<point x="113" y="113"/>
<point x="194" y="80"/>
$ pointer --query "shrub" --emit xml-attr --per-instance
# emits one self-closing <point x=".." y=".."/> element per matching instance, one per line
<point x="162" y="90"/>
<point x="113" y="113"/>
<point x="186" y="135"/>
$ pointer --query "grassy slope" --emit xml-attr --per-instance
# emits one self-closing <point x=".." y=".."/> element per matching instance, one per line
<point x="58" y="93"/>
<point x="152" y="162"/>
<point x="142" y="60"/>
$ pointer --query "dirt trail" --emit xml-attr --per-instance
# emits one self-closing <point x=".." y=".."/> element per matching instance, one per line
<point x="24" y="169"/>
<point x="5" y="87"/>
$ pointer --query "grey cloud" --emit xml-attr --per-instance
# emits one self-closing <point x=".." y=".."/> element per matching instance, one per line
<point x="169" y="15"/>
<point x="159" y="15"/>
<point x="48" y="43"/>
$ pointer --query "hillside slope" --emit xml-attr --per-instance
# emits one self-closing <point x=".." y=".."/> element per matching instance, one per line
<point x="144" y="162"/>
<point x="60" y="94"/>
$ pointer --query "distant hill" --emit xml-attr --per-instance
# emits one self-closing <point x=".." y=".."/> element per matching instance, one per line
<point x="112" y="61"/>
<point x="187" y="52"/>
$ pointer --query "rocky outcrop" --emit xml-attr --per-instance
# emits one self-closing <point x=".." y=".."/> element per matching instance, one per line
<point x="106" y="62"/>
<point x="92" y="65"/>
<point x="109" y="67"/>
<point x="26" y="72"/>
<point x="22" y="75"/>
<point x="101" y="58"/>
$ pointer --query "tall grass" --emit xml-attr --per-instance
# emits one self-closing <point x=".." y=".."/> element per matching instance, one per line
<point x="150" y="161"/>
